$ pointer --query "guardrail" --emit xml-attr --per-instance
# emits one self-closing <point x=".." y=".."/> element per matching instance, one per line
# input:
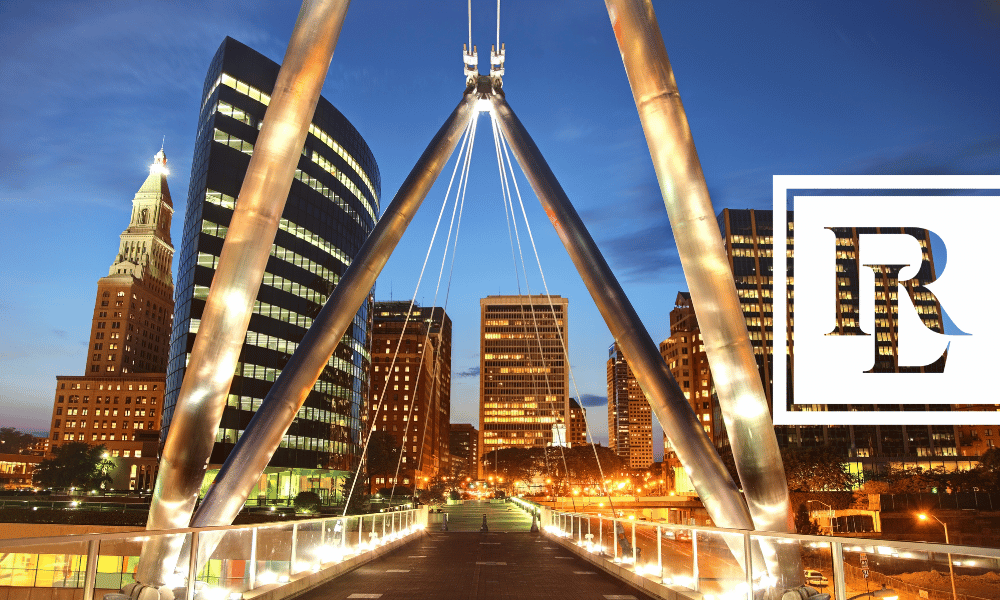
<point x="247" y="558"/>
<point x="701" y="560"/>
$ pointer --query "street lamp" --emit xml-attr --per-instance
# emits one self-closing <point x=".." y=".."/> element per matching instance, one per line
<point x="951" y="570"/>
<point x="829" y="509"/>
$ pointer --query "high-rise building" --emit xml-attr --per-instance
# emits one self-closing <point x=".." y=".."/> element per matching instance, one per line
<point x="747" y="235"/>
<point x="464" y="450"/>
<point x="121" y="393"/>
<point x="577" y="424"/>
<point x="630" y="417"/>
<point x="523" y="371"/>
<point x="411" y="389"/>
<point x="331" y="208"/>
<point x="685" y="356"/>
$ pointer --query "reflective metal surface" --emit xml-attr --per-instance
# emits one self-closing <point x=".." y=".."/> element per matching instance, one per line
<point x="267" y="428"/>
<point x="234" y="289"/>
<point x="709" y="476"/>
<point x="706" y="267"/>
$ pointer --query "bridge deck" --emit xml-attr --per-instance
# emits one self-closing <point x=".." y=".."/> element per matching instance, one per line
<point x="473" y="565"/>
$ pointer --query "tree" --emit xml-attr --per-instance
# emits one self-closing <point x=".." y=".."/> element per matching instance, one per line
<point x="307" y="502"/>
<point x="13" y="441"/>
<point x="816" y="469"/>
<point x="76" y="464"/>
<point x="354" y="495"/>
<point x="803" y="524"/>
<point x="383" y="455"/>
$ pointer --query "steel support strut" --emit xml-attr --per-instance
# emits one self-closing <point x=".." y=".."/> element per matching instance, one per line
<point x="709" y="277"/>
<point x="262" y="436"/>
<point x="708" y="474"/>
<point x="216" y="350"/>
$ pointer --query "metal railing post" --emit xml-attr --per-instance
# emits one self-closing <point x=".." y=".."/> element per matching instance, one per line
<point x="361" y="529"/>
<point x="839" y="578"/>
<point x="635" y="553"/>
<point x="192" y="565"/>
<point x="90" y="576"/>
<point x="694" y="560"/>
<point x="253" y="558"/>
<point x="659" y="551"/>
<point x="293" y="555"/>
<point x="614" y="536"/>
<point x="383" y="524"/>
<point x="748" y="563"/>
<point x="600" y="533"/>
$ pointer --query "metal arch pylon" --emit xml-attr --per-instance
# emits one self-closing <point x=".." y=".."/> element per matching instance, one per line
<point x="720" y="494"/>
<point x="710" y="279"/>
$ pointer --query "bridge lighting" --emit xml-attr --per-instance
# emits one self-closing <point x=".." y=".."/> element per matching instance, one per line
<point x="265" y="578"/>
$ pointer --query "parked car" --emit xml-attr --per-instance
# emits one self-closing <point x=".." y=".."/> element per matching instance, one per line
<point x="815" y="578"/>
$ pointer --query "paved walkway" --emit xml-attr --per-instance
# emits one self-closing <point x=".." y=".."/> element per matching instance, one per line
<point x="453" y="565"/>
<point x="500" y="516"/>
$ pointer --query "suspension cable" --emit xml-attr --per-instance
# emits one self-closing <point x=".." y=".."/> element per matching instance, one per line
<point x="534" y="317"/>
<point x="372" y="424"/>
<point x="562" y="339"/>
<point x="460" y="194"/>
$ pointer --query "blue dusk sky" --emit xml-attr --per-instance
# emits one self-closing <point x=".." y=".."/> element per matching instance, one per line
<point x="773" y="87"/>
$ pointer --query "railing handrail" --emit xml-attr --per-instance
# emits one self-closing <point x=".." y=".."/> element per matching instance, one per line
<point x="824" y="539"/>
<point x="143" y="533"/>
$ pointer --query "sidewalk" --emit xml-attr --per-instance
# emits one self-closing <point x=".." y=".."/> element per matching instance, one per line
<point x="477" y="566"/>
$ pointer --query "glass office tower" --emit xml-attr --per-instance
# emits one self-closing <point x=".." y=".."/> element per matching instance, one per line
<point x="331" y="208"/>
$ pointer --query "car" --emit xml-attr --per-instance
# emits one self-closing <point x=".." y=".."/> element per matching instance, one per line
<point x="815" y="578"/>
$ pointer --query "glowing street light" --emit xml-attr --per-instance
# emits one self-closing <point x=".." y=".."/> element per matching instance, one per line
<point x="951" y="570"/>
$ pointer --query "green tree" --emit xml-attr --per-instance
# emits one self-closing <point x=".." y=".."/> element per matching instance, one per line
<point x="383" y="455"/>
<point x="354" y="495"/>
<point x="13" y="441"/>
<point x="803" y="524"/>
<point x="816" y="469"/>
<point x="76" y="464"/>
<point x="307" y="502"/>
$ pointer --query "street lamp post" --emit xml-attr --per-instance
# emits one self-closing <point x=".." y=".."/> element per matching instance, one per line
<point x="829" y="516"/>
<point x="951" y="570"/>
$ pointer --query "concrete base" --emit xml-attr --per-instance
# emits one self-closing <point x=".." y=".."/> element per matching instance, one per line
<point x="301" y="583"/>
<point x="623" y="573"/>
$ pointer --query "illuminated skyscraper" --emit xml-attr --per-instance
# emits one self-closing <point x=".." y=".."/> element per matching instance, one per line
<point x="630" y="417"/>
<point x="411" y="389"/>
<point x="331" y="208"/>
<point x="523" y="372"/>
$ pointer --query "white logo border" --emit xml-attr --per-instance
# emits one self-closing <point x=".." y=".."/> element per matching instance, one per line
<point x="782" y="183"/>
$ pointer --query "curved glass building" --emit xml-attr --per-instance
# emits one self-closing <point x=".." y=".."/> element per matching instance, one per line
<point x="331" y="208"/>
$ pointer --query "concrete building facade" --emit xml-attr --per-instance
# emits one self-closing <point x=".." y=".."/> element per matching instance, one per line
<point x="411" y="389"/>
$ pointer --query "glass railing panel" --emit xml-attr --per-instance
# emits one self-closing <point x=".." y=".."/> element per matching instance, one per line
<point x="920" y="574"/>
<point x="678" y="556"/>
<point x="116" y="563"/>
<point x="59" y="566"/>
<point x="274" y="553"/>
<point x="309" y="538"/>
<point x="229" y="568"/>
<point x="720" y="558"/>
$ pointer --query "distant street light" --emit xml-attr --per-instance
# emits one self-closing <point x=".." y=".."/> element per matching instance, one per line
<point x="951" y="570"/>
<point x="830" y="515"/>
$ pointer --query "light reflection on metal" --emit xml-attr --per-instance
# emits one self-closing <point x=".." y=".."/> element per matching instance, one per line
<point x="217" y="346"/>
<point x="262" y="436"/>
<point x="708" y="475"/>
<point x="710" y="280"/>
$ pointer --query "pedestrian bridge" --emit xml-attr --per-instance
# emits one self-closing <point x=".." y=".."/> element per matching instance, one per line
<point x="423" y="553"/>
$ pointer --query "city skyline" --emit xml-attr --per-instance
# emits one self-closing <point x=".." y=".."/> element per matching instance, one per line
<point x="766" y="94"/>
